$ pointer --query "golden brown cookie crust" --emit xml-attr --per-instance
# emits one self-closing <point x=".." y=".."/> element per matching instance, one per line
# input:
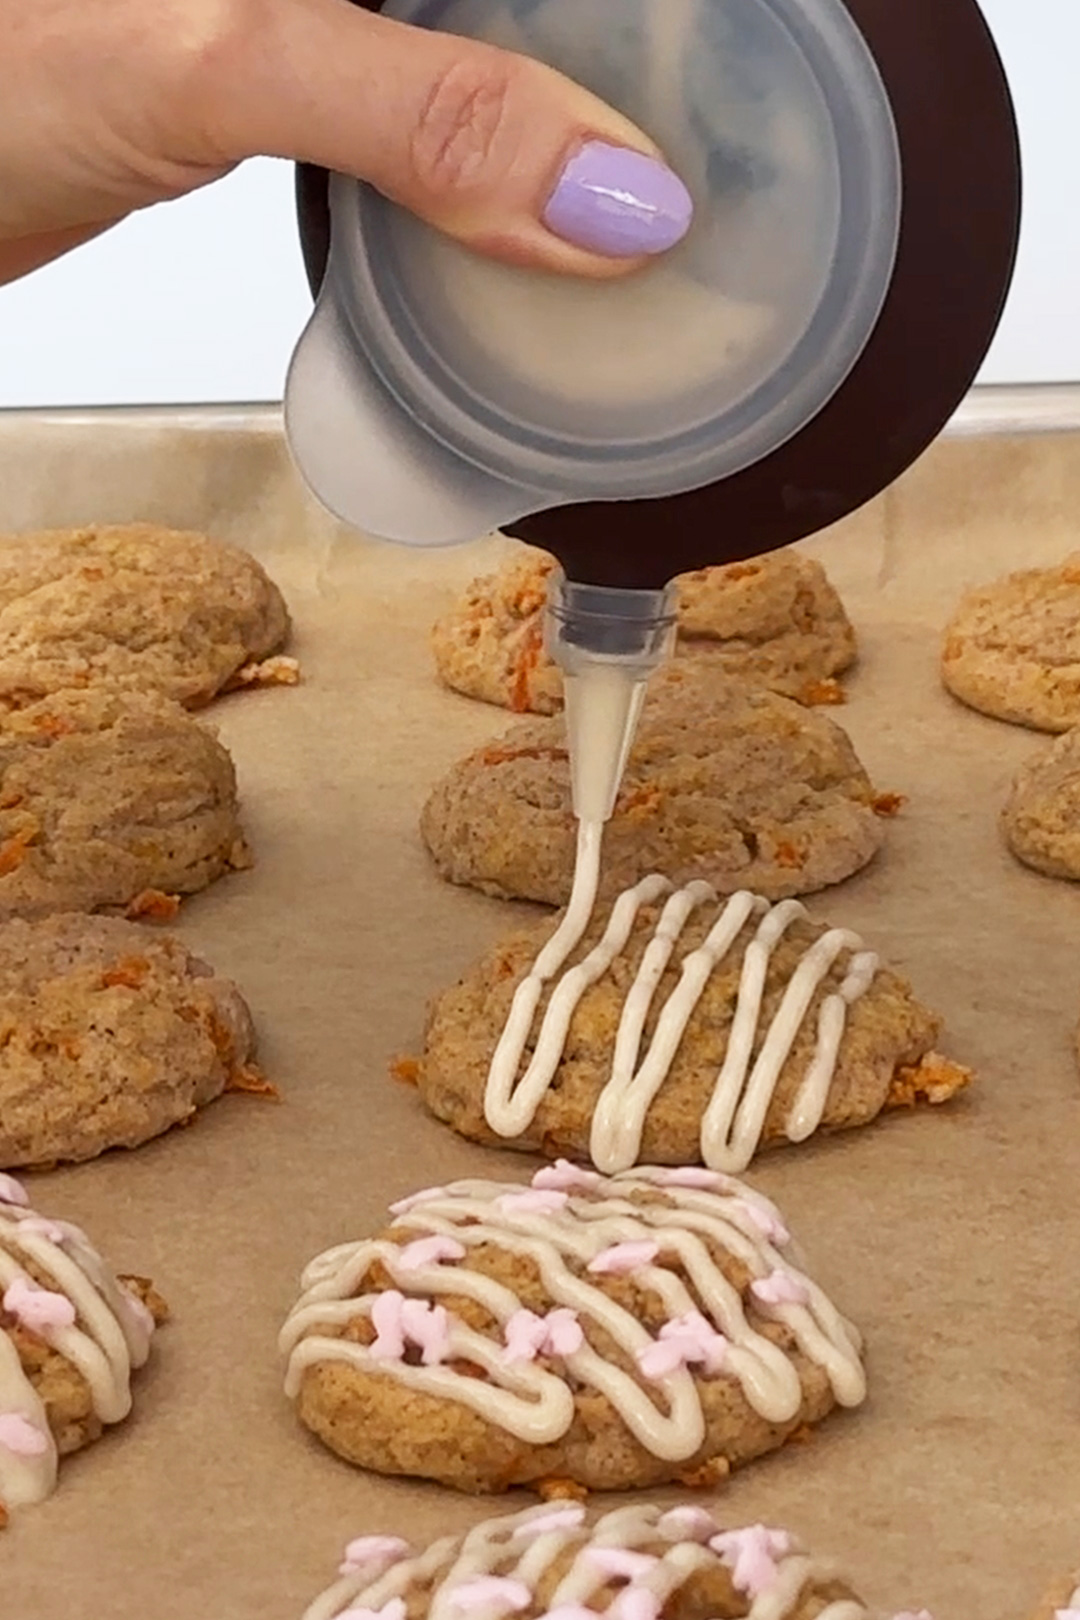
<point x="106" y="795"/>
<point x="726" y="782"/>
<point x="776" y="621"/>
<point x="1041" y="818"/>
<point x="133" y="607"/>
<point x="109" y="1035"/>
<point x="888" y="1035"/>
<point x="1012" y="649"/>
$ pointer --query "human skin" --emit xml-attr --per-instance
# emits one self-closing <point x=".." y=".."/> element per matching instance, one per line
<point x="110" y="106"/>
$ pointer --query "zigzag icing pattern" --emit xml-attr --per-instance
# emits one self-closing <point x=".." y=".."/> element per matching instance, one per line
<point x="576" y="1227"/>
<point x="629" y="1565"/>
<point x="79" y="1310"/>
<point x="732" y="1125"/>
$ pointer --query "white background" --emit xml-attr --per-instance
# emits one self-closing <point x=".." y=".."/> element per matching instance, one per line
<point x="202" y="300"/>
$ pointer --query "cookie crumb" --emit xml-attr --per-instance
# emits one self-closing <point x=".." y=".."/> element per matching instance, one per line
<point x="934" y="1080"/>
<point x="152" y="905"/>
<point x="561" y="1490"/>
<point x="145" y="1292"/>
<point x="888" y="805"/>
<point x="709" y="1477"/>
<point x="405" y="1070"/>
<point x="251" y="1081"/>
<point x="277" y="671"/>
<point x="823" y="695"/>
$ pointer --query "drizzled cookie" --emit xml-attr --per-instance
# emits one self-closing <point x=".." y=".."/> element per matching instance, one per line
<point x="71" y="1335"/>
<point x="553" y="1563"/>
<point x="655" y="1327"/>
<point x="676" y="1028"/>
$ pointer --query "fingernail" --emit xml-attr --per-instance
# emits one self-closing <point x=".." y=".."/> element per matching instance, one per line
<point x="619" y="203"/>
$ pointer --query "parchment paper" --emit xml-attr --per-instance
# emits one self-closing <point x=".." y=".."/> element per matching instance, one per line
<point x="951" y="1239"/>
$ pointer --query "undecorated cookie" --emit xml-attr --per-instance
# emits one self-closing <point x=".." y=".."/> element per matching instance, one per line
<point x="1012" y="649"/>
<point x="727" y="783"/>
<point x="134" y="607"/>
<point x="1041" y="819"/>
<point x="776" y="621"/>
<point x="71" y="1335"/>
<point x="554" y="1560"/>
<point x="109" y="1034"/>
<point x="107" y="795"/>
<point x="607" y="1334"/>
<point x="680" y="1030"/>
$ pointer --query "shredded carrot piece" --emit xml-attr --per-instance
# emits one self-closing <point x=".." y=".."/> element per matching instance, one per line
<point x="131" y="973"/>
<point x="823" y="694"/>
<point x="528" y="663"/>
<point x="406" y="1071"/>
<point x="561" y="1490"/>
<point x="504" y="756"/>
<point x="13" y="850"/>
<point x="53" y="725"/>
<point x="251" y="1081"/>
<point x="153" y="906"/>
<point x="888" y="804"/>
<point x="787" y="855"/>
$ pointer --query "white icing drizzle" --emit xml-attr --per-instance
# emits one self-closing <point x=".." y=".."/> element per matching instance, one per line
<point x="534" y="1401"/>
<point x="733" y="1123"/>
<point x="109" y="1338"/>
<point x="525" y="1546"/>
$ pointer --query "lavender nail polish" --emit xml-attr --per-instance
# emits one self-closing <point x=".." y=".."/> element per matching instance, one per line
<point x="619" y="203"/>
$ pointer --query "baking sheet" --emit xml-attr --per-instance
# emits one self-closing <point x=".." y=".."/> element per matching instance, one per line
<point x="950" y="1239"/>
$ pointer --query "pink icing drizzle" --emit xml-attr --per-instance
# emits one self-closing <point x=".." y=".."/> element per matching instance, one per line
<point x="491" y="1591"/>
<point x="562" y="1176"/>
<point x="752" y="1556"/>
<point x="690" y="1340"/>
<point x="368" y="1550"/>
<point x="13" y="1192"/>
<point x="766" y="1219"/>
<point x="623" y="1258"/>
<point x="780" y="1289"/>
<point x="429" y="1251"/>
<point x="399" y="1321"/>
<point x="532" y="1202"/>
<point x="19" y="1436"/>
<point x="529" y="1335"/>
<point x="691" y="1522"/>
<point x="621" y="1564"/>
<point x="36" y="1308"/>
<point x="635" y="1604"/>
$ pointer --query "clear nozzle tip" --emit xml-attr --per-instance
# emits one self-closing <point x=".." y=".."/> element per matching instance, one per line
<point x="607" y="643"/>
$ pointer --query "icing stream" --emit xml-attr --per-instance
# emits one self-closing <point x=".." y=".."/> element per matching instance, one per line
<point x="81" y="1312"/>
<point x="647" y="1555"/>
<point x="576" y="1228"/>
<point x="735" y="1118"/>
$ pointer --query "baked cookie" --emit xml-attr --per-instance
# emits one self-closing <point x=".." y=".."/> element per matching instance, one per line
<point x="106" y="795"/>
<point x="1012" y="649"/>
<point x="776" y="621"/>
<point x="603" y="1334"/>
<point x="1062" y="1602"/>
<point x="1041" y="819"/>
<point x="727" y="783"/>
<point x="553" y="1560"/>
<point x="679" y="1030"/>
<point x="109" y="1034"/>
<point x="134" y="607"/>
<point x="71" y="1334"/>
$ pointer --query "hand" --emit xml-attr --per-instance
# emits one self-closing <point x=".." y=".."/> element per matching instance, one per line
<point x="111" y="105"/>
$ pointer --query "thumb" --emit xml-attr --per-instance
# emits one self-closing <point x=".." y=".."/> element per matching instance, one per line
<point x="506" y="155"/>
